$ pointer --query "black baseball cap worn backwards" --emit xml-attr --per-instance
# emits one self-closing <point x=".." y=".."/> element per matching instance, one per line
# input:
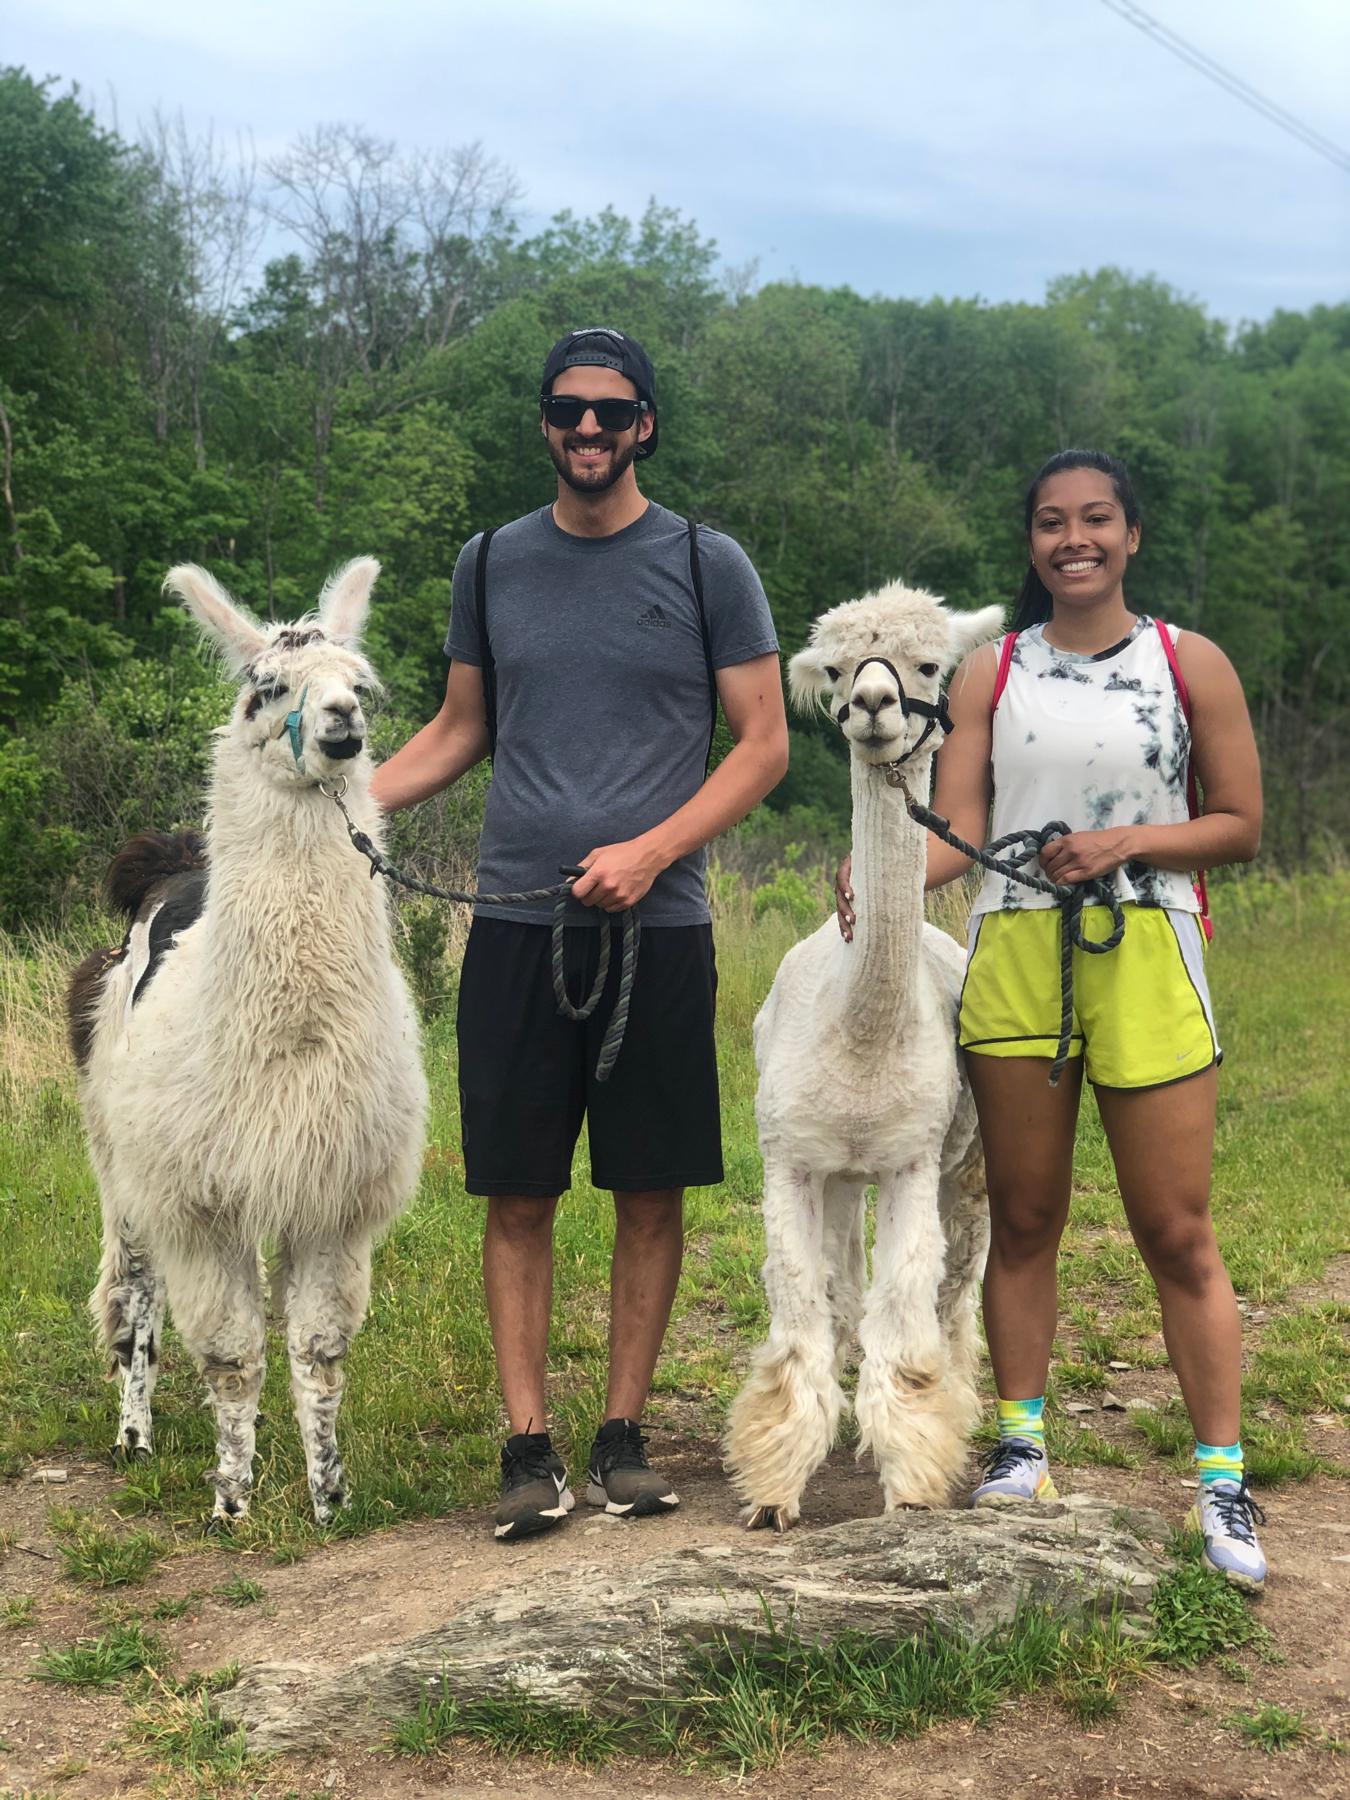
<point x="600" y="347"/>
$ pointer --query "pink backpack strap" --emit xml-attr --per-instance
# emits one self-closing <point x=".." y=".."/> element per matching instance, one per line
<point x="1170" y="652"/>
<point x="1192" y="794"/>
<point x="1004" y="664"/>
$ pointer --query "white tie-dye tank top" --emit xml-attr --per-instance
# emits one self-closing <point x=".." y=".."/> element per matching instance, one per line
<point x="1097" y="741"/>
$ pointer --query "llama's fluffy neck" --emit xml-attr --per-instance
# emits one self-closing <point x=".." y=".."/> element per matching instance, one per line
<point x="294" y="923"/>
<point x="889" y="862"/>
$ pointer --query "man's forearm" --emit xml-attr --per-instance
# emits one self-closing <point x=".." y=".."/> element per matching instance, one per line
<point x="436" y="757"/>
<point x="751" y="770"/>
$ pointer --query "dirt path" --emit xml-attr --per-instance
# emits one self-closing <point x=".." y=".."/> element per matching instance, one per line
<point x="1169" y="1740"/>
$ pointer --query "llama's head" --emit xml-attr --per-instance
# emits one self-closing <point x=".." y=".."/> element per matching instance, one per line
<point x="299" y="706"/>
<point x="869" y="660"/>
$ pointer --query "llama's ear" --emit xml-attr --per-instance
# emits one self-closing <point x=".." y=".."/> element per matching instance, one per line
<point x="971" y="629"/>
<point x="345" y="599"/>
<point x="807" y="681"/>
<point x="218" y="617"/>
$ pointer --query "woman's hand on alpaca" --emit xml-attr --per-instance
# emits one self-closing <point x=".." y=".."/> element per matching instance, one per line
<point x="843" y="899"/>
<point x="1085" y="855"/>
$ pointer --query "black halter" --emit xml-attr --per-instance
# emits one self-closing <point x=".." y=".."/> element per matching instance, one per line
<point x="924" y="709"/>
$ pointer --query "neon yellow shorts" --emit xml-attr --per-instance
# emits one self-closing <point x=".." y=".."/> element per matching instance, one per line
<point x="1141" y="1012"/>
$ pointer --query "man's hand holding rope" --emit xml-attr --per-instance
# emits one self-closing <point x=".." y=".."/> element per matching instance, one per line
<point x="618" y="875"/>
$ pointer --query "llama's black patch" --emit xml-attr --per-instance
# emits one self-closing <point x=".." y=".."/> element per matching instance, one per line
<point x="181" y="900"/>
<point x="292" y="639"/>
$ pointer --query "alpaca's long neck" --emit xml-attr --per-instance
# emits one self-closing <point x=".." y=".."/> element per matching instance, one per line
<point x="889" y="860"/>
<point x="290" y="904"/>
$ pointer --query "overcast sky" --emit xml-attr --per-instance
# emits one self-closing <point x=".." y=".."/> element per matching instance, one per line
<point x="916" y="147"/>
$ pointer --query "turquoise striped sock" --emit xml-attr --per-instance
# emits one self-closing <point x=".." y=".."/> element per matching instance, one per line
<point x="1022" y="1419"/>
<point x="1218" y="1462"/>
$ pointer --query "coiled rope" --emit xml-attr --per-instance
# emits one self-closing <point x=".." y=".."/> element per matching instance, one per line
<point x="612" y="1042"/>
<point x="1070" y="898"/>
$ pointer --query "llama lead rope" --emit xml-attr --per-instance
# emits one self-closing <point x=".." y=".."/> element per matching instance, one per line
<point x="1070" y="899"/>
<point x="612" y="1041"/>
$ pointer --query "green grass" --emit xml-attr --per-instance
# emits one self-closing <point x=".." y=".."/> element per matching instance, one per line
<point x="176" y="1607"/>
<point x="92" y="1553"/>
<point x="16" y="1611"/>
<point x="241" y="1592"/>
<point x="1196" y="1614"/>
<point x="105" y="1661"/>
<point x="420" y="1423"/>
<point x="187" y="1733"/>
<point x="1272" y="1727"/>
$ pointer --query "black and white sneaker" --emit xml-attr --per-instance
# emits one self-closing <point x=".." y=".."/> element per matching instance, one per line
<point x="619" y="1477"/>
<point x="535" y="1494"/>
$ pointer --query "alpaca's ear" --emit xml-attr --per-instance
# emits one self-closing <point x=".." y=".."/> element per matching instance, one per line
<point x="218" y="617"/>
<point x="345" y="599"/>
<point x="807" y="681"/>
<point x="971" y="629"/>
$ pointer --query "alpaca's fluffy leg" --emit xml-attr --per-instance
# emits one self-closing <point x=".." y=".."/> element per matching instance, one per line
<point x="215" y="1293"/>
<point x="965" y="1222"/>
<point x="905" y="1410"/>
<point x="326" y="1286"/>
<point x="783" y="1421"/>
<point x="845" y="1254"/>
<point x="128" y="1304"/>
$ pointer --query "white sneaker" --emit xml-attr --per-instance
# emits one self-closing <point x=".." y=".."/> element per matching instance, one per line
<point x="1015" y="1469"/>
<point x="1223" y="1516"/>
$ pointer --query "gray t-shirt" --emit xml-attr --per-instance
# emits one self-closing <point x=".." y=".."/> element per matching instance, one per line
<point x="603" y="708"/>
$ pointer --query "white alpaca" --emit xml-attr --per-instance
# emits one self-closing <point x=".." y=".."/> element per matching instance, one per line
<point x="859" y="1082"/>
<point x="264" y="1085"/>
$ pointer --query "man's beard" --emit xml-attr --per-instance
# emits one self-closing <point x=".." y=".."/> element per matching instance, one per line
<point x="595" y="481"/>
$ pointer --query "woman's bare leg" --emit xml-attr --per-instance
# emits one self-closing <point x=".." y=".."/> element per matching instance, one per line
<point x="1162" y="1143"/>
<point x="1027" y="1128"/>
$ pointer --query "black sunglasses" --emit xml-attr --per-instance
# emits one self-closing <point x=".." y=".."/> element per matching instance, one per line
<point x="566" y="411"/>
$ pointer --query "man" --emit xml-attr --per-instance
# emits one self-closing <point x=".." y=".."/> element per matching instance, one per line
<point x="603" y="713"/>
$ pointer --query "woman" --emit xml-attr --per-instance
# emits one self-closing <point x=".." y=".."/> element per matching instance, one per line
<point x="1090" y="727"/>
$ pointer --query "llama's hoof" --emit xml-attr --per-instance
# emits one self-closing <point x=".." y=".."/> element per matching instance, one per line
<point x="221" y="1524"/>
<point x="770" y="1518"/>
<point x="131" y="1451"/>
<point x="327" y="1506"/>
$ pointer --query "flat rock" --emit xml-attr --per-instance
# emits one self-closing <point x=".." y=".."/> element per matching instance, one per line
<point x="609" y="1637"/>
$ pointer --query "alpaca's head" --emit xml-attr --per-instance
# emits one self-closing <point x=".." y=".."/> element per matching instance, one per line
<point x="905" y="628"/>
<point x="311" y="668"/>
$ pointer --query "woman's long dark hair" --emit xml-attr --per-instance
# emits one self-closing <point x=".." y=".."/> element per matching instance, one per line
<point x="1034" y="605"/>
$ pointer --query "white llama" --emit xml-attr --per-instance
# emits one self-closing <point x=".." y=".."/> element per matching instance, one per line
<point x="859" y="1082"/>
<point x="250" y="1067"/>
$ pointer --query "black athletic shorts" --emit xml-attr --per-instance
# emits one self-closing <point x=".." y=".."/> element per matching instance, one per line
<point x="527" y="1075"/>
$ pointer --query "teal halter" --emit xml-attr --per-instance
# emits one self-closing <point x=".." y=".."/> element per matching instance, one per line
<point x="295" y="729"/>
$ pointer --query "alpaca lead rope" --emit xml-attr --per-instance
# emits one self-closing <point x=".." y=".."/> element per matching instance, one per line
<point x="612" y="1041"/>
<point x="1070" y="900"/>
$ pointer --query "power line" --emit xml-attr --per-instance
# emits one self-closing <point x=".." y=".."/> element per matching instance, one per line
<point x="1232" y="84"/>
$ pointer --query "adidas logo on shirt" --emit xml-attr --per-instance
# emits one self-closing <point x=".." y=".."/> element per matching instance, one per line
<point x="654" y="616"/>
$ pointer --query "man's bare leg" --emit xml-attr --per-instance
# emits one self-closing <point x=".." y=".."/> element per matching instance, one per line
<point x="518" y="1283"/>
<point x="648" y="1251"/>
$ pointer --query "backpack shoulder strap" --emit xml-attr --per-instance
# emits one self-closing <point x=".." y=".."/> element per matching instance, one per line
<point x="1004" y="664"/>
<point x="696" y="582"/>
<point x="1192" y="791"/>
<point x="1170" y="652"/>
<point x="489" y="666"/>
